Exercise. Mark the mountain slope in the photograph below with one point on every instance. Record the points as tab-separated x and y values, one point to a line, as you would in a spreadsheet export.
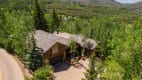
108	3
18	4
136	7
97	2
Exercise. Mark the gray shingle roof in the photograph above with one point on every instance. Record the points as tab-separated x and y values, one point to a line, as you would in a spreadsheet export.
87	43
45	40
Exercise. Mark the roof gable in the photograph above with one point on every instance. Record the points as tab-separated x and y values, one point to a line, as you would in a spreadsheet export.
46	40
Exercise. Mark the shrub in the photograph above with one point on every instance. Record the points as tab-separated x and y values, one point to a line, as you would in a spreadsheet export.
44	73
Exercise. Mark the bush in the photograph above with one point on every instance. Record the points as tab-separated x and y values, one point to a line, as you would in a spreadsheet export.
44	73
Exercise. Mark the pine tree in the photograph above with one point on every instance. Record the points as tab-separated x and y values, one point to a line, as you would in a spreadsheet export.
2	22
2	27
36	58
56	20
5	40
38	17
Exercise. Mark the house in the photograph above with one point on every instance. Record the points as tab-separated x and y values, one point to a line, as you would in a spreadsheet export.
55	45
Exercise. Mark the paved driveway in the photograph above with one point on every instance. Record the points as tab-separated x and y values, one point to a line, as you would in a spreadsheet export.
64	71
9	67
0	75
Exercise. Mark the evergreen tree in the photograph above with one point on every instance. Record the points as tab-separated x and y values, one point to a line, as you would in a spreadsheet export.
38	17
2	25
2	18
5	38
36	58
56	20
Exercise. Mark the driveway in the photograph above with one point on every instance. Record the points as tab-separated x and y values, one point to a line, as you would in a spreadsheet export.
9	67
0	75
64	71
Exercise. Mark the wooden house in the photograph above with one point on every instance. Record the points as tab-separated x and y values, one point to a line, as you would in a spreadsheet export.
55	45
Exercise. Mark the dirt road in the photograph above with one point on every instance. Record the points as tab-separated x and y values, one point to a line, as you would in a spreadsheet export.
9	67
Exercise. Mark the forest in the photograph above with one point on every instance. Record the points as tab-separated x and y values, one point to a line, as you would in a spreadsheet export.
118	33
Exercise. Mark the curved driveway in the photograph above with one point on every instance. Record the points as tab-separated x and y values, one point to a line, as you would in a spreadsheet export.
0	75
9	67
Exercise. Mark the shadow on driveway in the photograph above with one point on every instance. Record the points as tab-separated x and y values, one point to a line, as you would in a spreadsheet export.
65	71
62	66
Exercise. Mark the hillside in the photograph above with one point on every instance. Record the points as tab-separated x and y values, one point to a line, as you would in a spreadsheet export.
18	4
71	9
95	2
136	7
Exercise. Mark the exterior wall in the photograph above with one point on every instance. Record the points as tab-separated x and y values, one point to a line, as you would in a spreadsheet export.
58	53
55	53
